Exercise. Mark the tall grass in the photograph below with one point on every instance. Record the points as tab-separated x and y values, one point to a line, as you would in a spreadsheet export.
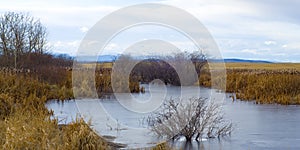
35	130
281	88
20	86
162	146
25	121
84	83
264	83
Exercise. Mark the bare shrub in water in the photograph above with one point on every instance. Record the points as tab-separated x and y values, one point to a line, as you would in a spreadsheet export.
192	119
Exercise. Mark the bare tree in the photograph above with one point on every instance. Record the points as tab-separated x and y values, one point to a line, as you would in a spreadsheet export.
20	36
176	69
191	119
199	60
185	68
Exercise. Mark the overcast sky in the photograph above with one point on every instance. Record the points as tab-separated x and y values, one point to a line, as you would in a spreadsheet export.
247	29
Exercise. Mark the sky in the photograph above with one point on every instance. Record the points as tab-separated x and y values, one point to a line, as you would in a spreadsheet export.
245	29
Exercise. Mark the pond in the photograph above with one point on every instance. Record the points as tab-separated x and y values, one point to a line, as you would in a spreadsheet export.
256	126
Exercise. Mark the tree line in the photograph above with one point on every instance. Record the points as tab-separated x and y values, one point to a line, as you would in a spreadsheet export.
24	49
175	69
23	43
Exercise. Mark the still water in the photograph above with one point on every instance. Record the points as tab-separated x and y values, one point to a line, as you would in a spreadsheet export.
256	126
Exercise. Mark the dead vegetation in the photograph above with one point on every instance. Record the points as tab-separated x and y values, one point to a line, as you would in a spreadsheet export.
196	118
25	122
263	83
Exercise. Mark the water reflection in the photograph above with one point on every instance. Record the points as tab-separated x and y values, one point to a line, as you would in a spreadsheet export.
188	145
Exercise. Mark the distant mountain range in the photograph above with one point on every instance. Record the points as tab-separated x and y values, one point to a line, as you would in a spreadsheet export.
110	58
101	58
234	60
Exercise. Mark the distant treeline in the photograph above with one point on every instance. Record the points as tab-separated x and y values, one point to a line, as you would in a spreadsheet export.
147	70
178	69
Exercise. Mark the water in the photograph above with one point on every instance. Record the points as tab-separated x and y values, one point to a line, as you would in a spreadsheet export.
256	126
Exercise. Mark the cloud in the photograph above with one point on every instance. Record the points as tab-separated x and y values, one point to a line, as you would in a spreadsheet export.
73	43
61	15
279	54
270	43
111	46
251	51
83	29
68	47
65	43
239	27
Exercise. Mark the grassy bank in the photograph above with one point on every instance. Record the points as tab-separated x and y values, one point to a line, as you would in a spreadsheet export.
25	121
265	87
266	83
264	66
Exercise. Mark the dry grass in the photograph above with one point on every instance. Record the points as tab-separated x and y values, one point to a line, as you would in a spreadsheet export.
265	87
25	121
79	135
264	66
162	146
251	66
20	86
264	82
35	130
104	65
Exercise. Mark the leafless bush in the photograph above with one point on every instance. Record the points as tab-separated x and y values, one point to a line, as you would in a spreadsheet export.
192	119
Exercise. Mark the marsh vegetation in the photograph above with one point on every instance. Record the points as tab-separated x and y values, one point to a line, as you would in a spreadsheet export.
264	83
30	76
